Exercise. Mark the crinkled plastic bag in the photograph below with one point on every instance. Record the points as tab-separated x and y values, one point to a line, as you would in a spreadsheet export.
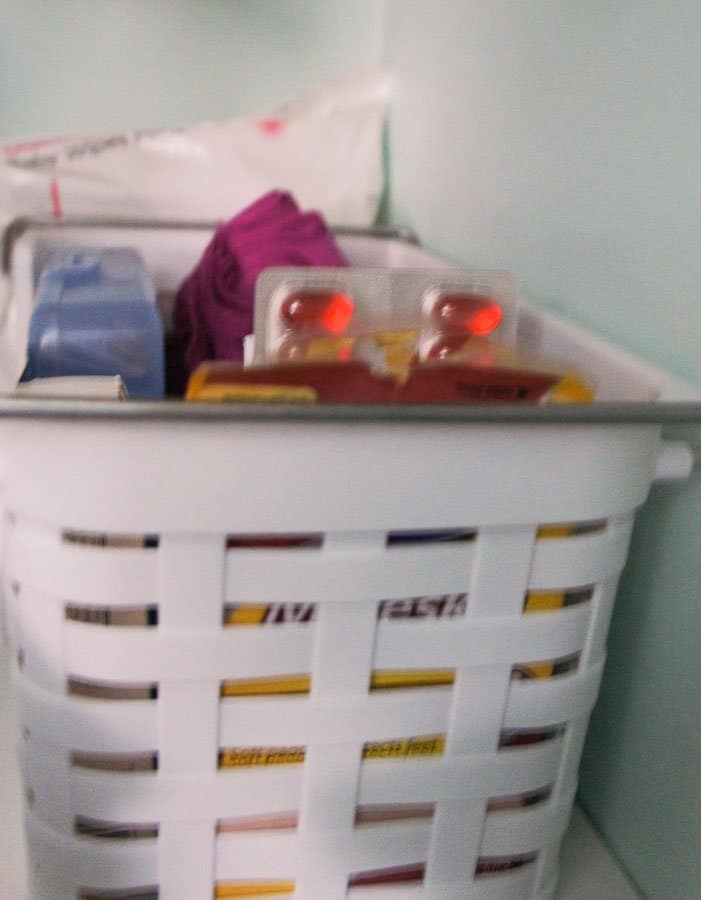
325	148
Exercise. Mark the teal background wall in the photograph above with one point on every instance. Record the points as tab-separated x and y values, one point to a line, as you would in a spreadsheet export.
91	65
558	139
640	775
561	140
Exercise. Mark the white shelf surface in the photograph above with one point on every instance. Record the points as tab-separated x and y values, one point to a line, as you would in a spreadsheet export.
589	872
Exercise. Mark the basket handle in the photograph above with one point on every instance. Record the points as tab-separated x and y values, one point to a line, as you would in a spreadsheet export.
675	461
14	229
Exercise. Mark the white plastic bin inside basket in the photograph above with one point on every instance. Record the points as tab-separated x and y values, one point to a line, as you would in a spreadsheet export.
171	518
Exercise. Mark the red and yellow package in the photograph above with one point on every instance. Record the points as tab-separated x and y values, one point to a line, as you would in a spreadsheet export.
568	386
356	382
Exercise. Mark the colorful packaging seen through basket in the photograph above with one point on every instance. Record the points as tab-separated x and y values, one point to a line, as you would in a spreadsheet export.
413	609
394	876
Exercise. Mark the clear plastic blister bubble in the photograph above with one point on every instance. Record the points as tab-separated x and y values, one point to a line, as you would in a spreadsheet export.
376	314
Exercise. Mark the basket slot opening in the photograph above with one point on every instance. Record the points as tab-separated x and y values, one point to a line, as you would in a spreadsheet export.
247	757
493	866
410	874
141	893
280	685
564	665
552	601
99	690
436	606
238	614
368	814
423	745
410	679
111	541
415	536
387	813
527	737
115	762
300	683
553	530
121	616
252	889
395	875
395	748
298	541
504	803
114	831
282	821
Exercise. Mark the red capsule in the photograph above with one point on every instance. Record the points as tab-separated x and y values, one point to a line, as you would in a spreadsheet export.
328	311
473	314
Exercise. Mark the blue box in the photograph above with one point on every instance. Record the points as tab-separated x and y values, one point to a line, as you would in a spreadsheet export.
95	314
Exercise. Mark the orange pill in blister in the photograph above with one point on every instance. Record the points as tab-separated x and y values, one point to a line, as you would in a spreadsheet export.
328	311
472	314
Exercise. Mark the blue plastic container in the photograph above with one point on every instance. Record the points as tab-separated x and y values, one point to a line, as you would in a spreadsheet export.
95	314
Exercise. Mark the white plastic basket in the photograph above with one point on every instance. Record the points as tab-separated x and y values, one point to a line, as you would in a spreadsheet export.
193	477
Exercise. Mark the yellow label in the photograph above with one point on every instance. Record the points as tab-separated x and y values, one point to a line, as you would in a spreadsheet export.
425	745
546	532
260	687
250	614
240	757
401	338
270	614
399	350
253	888
329	349
386	679
571	389
540	601
382	679
441	606
401	748
255	393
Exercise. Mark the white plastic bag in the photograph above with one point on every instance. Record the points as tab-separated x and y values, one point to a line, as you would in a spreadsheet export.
326	149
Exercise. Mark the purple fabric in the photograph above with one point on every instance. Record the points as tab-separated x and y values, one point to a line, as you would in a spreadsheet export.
214	306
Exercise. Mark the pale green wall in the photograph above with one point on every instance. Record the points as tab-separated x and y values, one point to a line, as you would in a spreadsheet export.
85	65
563	141
641	776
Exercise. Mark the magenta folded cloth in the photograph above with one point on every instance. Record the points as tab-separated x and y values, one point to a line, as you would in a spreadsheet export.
214	306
